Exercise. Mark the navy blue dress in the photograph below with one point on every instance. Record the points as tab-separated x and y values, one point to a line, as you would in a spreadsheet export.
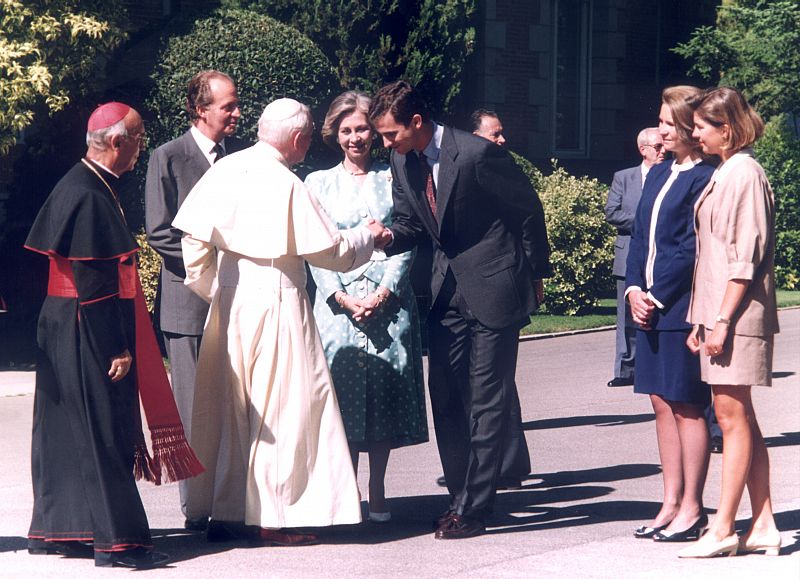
661	261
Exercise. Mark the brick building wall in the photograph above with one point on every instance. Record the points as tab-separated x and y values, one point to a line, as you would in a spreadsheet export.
621	60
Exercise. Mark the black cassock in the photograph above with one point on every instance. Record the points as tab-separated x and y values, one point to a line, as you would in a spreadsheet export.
85	427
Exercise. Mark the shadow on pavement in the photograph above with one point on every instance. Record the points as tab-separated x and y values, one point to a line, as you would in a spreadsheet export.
598	420
782	374
533	519
8	544
785	439
602	474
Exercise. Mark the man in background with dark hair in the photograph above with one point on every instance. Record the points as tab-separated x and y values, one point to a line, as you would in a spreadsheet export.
489	246
174	168
486	124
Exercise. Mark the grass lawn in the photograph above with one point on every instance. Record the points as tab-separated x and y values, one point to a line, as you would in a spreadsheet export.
605	315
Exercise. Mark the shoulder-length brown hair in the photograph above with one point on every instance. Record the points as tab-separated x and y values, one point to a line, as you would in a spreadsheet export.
727	106
342	106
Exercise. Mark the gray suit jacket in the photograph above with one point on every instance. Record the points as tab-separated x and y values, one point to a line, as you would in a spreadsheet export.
623	198
174	168
489	229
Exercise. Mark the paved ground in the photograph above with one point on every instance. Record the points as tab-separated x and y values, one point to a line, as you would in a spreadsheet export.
595	478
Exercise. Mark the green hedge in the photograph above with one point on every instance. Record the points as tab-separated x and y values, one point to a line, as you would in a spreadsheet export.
267	59
778	151
581	241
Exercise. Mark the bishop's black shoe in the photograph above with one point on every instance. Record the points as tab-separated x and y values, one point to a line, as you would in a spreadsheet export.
138	558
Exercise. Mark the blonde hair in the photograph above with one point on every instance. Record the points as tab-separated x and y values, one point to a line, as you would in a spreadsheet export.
342	106
680	100
727	106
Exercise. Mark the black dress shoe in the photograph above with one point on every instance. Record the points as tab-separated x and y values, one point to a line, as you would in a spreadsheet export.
221	531
716	445
693	533
460	527
69	549
441	481
441	519
200	524
645	532
138	558
613	383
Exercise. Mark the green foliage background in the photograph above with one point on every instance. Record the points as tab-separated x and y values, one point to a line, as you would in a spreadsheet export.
51	51
375	41
778	151
755	47
266	58
581	241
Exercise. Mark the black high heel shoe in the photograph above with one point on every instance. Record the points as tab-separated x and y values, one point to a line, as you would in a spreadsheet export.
645	532
693	533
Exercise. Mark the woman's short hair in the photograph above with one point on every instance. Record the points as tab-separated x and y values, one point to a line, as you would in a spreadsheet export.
727	106
343	106
680	100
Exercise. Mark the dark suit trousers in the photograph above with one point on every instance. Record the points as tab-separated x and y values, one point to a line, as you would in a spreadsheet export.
182	352
471	381
625	356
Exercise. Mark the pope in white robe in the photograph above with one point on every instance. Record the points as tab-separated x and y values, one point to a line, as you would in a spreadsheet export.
269	431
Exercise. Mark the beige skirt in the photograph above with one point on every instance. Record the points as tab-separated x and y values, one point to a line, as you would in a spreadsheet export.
746	361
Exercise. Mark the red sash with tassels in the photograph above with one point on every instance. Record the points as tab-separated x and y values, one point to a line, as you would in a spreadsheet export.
173	459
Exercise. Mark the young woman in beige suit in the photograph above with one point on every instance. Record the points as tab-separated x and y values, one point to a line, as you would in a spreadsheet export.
734	314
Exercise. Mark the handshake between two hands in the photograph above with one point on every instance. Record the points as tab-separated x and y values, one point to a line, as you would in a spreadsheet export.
380	234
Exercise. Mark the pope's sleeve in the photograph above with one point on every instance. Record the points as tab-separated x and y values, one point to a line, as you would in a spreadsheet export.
200	261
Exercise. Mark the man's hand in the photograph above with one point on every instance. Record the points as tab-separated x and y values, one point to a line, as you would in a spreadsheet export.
380	234
120	366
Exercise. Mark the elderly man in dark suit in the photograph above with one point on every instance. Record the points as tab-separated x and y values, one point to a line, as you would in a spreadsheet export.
490	253
623	198
174	168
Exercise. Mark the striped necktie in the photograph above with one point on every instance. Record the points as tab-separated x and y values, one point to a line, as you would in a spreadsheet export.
430	186
218	151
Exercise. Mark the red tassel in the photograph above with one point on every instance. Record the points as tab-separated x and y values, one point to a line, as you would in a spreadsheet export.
143	466
173	456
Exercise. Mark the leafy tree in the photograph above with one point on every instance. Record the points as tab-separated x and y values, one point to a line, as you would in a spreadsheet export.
49	51
371	41
755	47
266	58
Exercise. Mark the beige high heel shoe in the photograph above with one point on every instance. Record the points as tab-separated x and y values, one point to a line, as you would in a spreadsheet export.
707	547
770	544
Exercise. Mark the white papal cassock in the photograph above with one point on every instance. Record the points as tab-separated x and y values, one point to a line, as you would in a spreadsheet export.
268	428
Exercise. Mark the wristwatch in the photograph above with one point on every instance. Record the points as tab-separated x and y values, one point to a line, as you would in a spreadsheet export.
725	321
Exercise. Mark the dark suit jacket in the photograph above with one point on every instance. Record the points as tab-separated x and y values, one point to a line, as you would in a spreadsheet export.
489	230
675	242
174	168
623	198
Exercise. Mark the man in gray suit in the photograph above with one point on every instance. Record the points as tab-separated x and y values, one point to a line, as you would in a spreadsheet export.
623	198
174	168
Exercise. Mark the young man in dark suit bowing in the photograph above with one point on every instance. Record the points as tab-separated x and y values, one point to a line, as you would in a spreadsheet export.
490	252
174	168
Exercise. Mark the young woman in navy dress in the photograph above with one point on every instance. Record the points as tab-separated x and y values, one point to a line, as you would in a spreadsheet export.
659	281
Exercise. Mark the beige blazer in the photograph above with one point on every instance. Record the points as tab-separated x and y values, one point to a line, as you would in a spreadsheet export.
735	226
